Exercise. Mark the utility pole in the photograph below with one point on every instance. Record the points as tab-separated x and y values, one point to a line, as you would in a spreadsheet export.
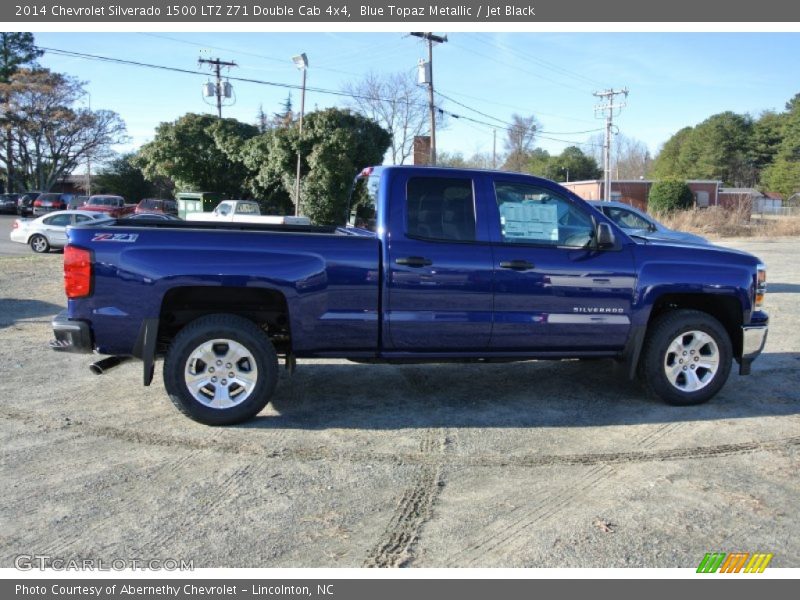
439	40
606	108
217	65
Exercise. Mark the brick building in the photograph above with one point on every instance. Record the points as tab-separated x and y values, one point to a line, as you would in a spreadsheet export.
636	191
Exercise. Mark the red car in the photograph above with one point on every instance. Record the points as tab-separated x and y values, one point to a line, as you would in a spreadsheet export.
49	202
157	206
114	206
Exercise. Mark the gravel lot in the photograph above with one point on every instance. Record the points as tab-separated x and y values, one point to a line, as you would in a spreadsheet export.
516	465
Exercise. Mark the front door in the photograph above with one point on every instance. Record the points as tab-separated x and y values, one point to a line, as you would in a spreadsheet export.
553	289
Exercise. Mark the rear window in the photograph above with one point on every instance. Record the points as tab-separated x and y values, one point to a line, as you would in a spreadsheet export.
364	201
440	208
247	208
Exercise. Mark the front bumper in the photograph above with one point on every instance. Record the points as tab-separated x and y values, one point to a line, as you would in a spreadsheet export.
71	335
753	339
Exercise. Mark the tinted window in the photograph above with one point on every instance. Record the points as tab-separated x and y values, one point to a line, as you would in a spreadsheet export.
58	220
440	209
81	218
534	215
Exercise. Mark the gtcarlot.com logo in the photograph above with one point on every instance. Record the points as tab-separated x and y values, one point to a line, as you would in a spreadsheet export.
736	562
41	562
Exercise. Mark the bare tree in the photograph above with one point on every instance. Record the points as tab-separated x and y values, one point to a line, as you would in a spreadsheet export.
630	158
479	160
50	135
395	102
519	142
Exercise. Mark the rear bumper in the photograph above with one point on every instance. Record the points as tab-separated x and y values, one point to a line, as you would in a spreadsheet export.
754	337
71	335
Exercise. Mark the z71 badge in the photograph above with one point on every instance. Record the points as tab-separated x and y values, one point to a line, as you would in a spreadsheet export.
115	237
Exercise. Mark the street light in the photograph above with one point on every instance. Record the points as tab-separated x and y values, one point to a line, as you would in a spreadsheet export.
301	62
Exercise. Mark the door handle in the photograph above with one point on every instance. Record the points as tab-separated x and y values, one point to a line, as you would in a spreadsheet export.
414	261
517	265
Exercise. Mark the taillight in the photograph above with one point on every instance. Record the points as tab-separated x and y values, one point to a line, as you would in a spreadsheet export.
15	225
37	203
77	272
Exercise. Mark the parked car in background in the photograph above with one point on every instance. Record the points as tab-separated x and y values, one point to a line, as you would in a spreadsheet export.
8	203
244	211
636	222
113	206
25	203
49	202
157	205
50	231
152	217
76	202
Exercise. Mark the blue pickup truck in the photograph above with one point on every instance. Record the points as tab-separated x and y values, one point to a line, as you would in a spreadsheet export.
432	265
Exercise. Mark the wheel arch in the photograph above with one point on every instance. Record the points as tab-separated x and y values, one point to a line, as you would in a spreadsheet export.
725	309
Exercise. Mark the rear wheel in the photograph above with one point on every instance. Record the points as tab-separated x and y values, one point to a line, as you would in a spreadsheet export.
221	370
686	358
39	244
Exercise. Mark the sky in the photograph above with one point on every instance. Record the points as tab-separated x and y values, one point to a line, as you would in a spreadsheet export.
675	79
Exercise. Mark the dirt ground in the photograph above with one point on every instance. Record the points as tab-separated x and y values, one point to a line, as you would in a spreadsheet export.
509	465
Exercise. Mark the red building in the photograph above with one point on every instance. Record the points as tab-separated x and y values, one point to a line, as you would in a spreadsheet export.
636	191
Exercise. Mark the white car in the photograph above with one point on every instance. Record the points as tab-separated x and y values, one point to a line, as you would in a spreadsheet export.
50	230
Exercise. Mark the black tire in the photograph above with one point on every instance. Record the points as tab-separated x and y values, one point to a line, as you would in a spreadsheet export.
228	328
39	244
657	357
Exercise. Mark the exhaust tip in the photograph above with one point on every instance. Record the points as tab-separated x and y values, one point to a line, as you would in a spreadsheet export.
101	366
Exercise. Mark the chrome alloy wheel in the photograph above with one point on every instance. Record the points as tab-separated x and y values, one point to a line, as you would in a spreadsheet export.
691	361
220	373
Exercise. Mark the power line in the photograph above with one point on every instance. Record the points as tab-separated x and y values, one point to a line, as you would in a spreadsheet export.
123	61
507	124
518	108
290	86
240	52
518	68
542	62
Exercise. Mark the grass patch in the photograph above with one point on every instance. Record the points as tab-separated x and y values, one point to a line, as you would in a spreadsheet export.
716	222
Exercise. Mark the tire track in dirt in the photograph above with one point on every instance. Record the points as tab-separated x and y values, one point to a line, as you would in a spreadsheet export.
396	545
511	530
221	494
252	448
521	518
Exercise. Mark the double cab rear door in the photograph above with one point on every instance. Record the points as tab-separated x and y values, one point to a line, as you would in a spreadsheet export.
498	261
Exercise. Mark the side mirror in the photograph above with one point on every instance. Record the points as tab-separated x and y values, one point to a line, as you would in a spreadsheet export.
605	236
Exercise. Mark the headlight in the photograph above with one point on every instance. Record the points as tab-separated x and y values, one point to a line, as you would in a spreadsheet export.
761	285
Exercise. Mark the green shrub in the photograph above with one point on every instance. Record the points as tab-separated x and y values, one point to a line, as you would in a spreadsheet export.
669	195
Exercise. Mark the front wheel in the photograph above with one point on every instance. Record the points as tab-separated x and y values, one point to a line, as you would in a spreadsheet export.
686	358
39	244
221	370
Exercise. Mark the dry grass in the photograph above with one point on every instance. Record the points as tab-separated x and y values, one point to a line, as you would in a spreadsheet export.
716	222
